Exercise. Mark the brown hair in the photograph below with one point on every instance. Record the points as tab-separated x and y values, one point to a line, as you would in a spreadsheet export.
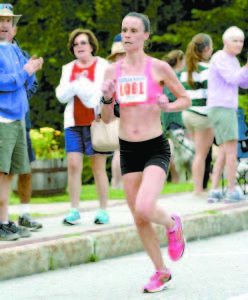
173	57
91	37
194	54
145	20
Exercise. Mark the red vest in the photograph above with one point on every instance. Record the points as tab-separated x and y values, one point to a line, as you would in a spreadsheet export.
83	116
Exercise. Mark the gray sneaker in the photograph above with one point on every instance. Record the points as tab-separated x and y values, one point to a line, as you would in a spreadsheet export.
215	196
29	223
6	234
21	231
234	197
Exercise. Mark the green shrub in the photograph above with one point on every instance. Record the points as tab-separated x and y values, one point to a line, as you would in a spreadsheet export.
243	103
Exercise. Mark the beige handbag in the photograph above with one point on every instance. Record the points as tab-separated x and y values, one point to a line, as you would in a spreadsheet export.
105	136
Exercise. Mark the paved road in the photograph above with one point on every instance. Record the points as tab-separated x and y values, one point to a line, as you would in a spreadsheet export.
212	269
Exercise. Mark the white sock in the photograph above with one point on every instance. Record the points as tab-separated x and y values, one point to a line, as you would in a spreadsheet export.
24	209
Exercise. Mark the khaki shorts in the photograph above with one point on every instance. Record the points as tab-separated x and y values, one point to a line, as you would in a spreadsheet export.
13	148
195	122
225	123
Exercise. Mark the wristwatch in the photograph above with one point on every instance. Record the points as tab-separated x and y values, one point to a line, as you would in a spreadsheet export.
106	101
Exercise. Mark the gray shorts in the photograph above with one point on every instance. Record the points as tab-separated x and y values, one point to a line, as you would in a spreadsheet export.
225	123
13	148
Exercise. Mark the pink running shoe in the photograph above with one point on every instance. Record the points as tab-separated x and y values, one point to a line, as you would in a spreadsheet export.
176	240
158	282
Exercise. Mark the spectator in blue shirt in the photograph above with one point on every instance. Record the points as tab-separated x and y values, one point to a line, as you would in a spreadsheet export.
16	74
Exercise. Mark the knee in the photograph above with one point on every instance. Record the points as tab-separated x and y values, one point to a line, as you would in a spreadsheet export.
139	220
99	173
144	211
99	169
24	177
4	197
74	166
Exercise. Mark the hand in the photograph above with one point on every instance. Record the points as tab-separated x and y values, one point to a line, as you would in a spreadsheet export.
162	102
33	65
98	119
108	89
82	74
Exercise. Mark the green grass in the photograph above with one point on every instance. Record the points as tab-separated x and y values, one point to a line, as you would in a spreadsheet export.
88	192
209	212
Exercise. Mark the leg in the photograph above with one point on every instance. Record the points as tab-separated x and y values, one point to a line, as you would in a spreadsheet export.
203	141
5	188
208	162
25	191
172	168
173	171
75	167
17	163
98	163
218	167
25	187
8	230
151	186
148	235
116	171
230	149
25	180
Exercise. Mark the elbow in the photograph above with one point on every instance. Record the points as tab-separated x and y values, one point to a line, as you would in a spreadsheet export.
60	96
105	117
61	99
90	101
107	120
189	102
244	85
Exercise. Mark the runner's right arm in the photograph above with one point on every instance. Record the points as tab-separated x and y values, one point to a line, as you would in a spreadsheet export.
108	91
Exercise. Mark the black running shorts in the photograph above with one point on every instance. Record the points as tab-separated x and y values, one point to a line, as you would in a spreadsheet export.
136	156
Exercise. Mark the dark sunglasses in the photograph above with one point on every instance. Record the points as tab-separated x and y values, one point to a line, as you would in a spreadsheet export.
8	6
82	43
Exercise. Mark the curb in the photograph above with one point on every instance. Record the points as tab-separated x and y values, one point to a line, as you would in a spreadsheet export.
74	250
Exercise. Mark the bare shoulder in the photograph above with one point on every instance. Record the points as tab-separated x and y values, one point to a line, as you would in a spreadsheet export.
110	71
162	68
160	65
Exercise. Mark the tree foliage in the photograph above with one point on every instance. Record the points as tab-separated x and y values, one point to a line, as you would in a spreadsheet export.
45	27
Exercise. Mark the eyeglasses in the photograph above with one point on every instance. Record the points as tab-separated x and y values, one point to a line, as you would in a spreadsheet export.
82	43
8	6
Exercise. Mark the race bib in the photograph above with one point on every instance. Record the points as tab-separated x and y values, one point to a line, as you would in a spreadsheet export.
132	89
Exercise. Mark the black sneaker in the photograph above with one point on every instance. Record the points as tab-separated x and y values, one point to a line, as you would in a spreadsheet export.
21	231
26	221
6	234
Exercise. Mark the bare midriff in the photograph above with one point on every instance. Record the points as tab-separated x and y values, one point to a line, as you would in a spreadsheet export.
140	123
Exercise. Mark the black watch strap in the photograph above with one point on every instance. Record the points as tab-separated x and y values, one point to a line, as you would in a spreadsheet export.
106	101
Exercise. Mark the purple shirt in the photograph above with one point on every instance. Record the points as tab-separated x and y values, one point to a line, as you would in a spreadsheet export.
224	77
